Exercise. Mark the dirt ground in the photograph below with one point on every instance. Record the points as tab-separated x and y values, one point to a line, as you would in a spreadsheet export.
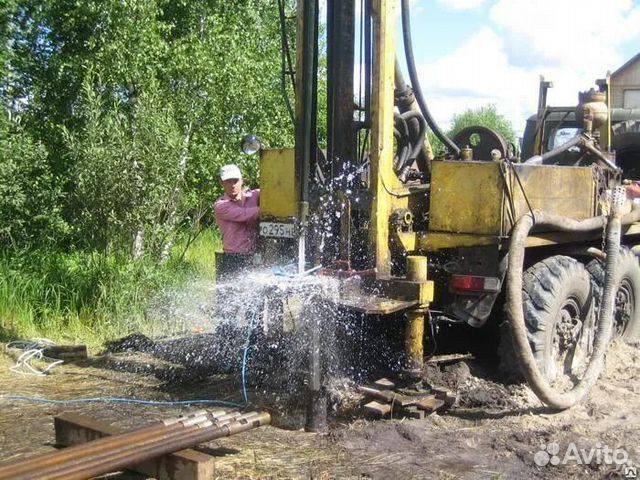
494	431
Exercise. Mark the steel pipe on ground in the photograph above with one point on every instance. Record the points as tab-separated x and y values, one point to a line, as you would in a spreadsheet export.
121	459
16	467
32	467
93	456
104	455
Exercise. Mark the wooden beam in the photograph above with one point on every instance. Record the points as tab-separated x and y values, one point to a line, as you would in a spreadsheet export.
66	352
384	384
429	404
378	408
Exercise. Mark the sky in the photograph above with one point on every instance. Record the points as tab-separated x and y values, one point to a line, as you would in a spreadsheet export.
471	53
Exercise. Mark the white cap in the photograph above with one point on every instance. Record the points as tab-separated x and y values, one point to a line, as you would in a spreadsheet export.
230	171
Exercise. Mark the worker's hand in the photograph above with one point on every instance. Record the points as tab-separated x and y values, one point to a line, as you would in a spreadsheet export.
633	190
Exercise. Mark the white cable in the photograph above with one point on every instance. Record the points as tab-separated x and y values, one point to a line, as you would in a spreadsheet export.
32	350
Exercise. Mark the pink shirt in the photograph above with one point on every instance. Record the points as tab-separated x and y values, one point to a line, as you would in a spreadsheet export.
238	222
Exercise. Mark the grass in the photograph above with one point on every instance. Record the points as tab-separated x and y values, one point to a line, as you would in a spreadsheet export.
200	255
89	297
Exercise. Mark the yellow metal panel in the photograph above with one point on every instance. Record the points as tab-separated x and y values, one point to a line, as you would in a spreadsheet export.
473	198
466	197
417	268
432	241
407	240
561	190
278	189
554	238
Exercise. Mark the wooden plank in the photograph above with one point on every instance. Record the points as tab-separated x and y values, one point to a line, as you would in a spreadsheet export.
66	352
385	395
378	408
384	384
444	394
429	404
373	305
73	429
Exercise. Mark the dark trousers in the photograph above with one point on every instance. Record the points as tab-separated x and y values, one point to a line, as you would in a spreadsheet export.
229	264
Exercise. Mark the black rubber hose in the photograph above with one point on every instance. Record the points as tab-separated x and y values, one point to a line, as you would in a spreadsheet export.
404	148
400	121
418	141
402	158
405	100
515	313
417	91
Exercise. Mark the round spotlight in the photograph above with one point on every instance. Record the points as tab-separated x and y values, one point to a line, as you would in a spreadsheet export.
251	144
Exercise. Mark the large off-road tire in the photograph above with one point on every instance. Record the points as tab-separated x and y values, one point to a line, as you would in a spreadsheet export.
626	317
558	311
626	143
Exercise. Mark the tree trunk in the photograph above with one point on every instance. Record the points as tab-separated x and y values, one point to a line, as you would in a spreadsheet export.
138	244
177	194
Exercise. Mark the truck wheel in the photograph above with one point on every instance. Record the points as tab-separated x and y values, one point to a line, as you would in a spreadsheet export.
627	299
558	311
626	143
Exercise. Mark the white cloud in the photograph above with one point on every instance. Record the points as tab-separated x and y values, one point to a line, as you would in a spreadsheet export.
571	42
476	74
461	4
567	33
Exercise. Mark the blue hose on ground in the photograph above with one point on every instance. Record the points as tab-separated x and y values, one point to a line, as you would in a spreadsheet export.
245	355
245	358
245	396
136	401
119	400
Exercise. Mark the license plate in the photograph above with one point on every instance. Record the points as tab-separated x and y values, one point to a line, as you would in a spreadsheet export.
279	230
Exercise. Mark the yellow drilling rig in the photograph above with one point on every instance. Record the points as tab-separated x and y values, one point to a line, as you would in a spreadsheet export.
549	239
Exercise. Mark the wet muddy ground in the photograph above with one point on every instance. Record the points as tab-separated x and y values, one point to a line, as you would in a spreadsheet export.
494	431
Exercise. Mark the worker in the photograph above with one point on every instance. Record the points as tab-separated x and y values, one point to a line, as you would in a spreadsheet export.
237	213
633	190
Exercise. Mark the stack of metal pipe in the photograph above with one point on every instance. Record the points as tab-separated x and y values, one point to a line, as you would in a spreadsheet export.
110	454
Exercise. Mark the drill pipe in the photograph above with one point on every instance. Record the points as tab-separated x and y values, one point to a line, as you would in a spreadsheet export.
95	456
106	462
39	471
166	427
132	456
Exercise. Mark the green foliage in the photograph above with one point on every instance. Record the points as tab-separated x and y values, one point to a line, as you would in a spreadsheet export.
29	214
127	110
193	75
7	10
69	296
200	254
125	169
436	145
486	116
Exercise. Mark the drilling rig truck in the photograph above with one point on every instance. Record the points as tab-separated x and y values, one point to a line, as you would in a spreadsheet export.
547	240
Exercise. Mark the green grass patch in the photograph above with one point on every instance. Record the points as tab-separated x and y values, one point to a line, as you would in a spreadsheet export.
200	254
90	297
